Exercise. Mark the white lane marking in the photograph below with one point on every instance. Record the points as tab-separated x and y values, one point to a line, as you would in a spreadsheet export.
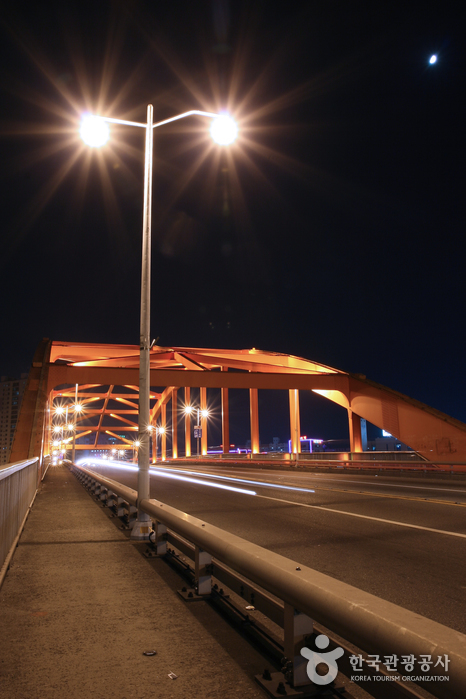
354	514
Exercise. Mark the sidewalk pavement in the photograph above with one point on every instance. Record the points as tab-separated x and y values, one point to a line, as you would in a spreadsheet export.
80	605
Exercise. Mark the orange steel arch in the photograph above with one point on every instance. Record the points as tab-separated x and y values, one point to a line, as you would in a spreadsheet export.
100	368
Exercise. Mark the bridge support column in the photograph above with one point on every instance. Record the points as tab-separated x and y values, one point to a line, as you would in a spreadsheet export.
225	419
355	434
175	423
295	423
203	401
254	418
187	423
164	432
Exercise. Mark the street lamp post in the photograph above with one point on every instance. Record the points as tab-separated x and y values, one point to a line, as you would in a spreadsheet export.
205	414
94	131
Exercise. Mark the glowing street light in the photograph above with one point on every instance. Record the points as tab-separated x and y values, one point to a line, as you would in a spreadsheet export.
224	130
189	409
95	131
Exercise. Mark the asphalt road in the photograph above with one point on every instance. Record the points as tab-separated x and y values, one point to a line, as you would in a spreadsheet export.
402	538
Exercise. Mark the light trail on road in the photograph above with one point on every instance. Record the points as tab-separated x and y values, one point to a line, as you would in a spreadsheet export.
263	484
153	472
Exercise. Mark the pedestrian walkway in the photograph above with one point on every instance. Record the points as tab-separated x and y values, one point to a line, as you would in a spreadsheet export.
80	605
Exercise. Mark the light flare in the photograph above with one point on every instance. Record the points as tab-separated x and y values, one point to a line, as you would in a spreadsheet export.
94	131
224	130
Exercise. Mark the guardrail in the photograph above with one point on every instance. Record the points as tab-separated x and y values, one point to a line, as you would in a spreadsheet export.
370	623
18	488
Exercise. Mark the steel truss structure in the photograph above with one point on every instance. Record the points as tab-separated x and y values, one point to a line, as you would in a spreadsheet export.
106	377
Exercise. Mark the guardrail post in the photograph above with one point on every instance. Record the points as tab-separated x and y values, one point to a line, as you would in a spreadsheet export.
160	542
131	514
103	494
296	627
120	507
203	575
111	499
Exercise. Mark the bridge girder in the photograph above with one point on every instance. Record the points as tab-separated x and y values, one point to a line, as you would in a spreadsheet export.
435	435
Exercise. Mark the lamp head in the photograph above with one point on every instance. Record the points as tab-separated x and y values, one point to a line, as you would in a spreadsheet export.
224	130
94	131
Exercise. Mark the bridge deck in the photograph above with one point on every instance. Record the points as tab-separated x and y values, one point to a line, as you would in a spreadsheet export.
80	605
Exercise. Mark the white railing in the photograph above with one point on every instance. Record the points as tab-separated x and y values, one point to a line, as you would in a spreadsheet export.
18	487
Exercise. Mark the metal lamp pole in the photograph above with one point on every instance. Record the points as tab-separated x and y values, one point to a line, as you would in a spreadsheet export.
223	131
143	525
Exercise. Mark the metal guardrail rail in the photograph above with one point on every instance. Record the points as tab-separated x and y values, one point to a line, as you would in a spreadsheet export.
370	623
18	488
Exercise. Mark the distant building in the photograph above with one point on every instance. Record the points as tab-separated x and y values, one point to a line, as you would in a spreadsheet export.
11	395
387	443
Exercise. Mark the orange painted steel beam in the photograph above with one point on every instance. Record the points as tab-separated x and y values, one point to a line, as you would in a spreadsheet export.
90	413
162	399
225	419
60	374
355	431
435	435
134	425
175	423
164	433
254	419
187	423
424	429
101	417
203	405
295	423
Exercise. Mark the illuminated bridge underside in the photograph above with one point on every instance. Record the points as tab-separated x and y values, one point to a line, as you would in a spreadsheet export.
108	376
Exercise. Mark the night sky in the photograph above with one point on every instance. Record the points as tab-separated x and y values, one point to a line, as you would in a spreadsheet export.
333	229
